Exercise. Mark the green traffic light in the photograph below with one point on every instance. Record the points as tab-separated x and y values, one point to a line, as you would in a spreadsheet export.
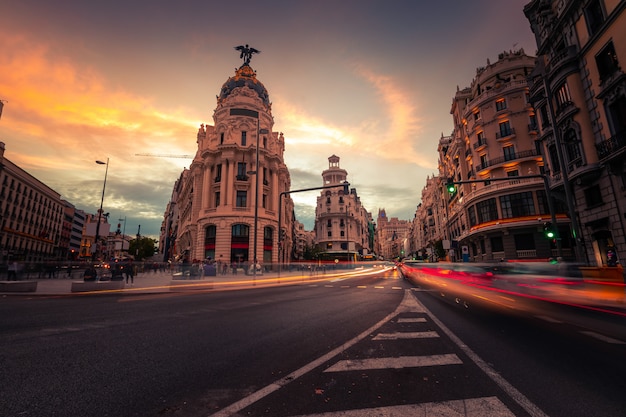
550	234
451	188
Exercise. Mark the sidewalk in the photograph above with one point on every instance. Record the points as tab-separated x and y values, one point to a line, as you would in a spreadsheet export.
164	282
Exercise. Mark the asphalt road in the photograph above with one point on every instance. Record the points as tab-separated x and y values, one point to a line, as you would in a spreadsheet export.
367	343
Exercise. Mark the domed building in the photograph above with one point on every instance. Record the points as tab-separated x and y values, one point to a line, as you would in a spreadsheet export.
227	205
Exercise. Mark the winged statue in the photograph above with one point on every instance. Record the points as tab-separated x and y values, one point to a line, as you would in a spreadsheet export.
246	53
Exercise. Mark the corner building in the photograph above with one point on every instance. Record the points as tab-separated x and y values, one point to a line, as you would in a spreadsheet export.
225	193
579	90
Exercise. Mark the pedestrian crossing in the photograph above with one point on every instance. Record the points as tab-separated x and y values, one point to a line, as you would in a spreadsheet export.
406	365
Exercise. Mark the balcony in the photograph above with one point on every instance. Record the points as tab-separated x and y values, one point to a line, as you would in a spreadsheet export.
480	144
512	157
241	178
505	133
612	146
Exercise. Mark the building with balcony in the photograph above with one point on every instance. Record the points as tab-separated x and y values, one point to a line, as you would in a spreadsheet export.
226	194
579	90
500	205
342	224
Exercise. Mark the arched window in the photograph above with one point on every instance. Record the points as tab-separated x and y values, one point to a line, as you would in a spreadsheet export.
572	148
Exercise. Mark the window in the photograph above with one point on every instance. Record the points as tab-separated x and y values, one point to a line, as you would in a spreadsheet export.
532	123
481	138
264	201
244	138
264	142
554	159
500	104
594	16
242	199
505	129
572	148
222	138
218	173
517	205
471	213
509	152
563	96
477	115
342	234
497	244
241	171
593	197
524	241
217	199
483	161
606	62
330	234
487	210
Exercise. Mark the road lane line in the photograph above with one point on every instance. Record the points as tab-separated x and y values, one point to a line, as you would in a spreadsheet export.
408	303
395	363
405	335
471	407
517	396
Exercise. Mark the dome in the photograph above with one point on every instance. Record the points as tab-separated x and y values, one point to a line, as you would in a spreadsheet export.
244	77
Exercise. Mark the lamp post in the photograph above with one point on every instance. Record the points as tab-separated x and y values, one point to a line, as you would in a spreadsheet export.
101	202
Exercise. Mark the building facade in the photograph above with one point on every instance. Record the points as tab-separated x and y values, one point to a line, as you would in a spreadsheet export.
579	90
342	226
392	235
229	202
499	206
32	216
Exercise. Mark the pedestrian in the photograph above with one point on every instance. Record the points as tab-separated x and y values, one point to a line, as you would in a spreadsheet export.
130	273
12	273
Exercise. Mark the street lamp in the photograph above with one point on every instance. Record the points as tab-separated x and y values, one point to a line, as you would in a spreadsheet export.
101	201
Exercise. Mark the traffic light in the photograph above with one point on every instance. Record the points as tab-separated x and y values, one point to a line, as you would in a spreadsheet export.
548	231
450	186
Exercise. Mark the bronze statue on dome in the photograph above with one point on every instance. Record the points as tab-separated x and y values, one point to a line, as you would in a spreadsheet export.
246	53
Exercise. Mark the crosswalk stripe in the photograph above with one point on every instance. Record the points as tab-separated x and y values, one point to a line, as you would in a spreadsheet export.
471	407
394	363
405	335
412	320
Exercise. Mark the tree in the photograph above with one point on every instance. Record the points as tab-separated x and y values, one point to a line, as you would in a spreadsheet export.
144	248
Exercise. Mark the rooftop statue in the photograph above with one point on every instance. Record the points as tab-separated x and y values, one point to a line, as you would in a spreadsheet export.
246	53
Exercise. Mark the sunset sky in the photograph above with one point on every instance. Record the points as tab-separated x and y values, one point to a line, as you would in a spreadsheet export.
369	81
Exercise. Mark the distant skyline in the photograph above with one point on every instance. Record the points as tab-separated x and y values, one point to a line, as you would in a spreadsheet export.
369	81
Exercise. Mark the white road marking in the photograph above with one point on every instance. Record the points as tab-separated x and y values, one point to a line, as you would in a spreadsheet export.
472	407
517	396
603	338
276	385
405	335
395	363
412	320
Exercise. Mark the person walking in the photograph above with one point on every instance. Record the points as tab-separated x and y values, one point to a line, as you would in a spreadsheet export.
12	272
130	273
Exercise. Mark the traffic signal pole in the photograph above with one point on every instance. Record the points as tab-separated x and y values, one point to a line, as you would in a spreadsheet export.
546	187
346	189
